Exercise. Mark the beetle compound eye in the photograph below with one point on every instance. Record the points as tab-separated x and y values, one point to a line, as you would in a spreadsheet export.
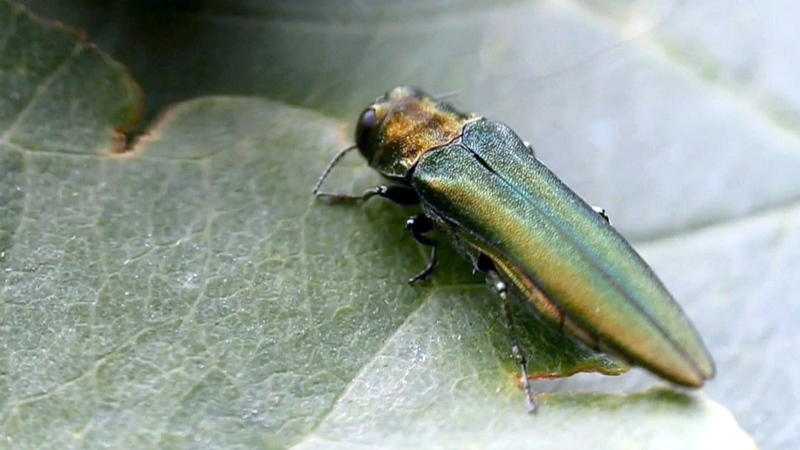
366	123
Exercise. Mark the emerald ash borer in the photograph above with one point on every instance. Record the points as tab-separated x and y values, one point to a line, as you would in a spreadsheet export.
482	187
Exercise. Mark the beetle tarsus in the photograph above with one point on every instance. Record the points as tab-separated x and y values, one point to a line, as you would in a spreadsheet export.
500	287
333	199
425	273
419	225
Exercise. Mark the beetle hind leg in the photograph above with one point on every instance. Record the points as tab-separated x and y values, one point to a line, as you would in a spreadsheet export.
419	225
500	287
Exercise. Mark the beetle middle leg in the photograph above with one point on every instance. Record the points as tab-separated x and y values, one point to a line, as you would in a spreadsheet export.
420	225
499	286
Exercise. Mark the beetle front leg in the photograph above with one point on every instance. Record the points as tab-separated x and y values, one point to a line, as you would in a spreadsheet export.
500	287
397	194
419	225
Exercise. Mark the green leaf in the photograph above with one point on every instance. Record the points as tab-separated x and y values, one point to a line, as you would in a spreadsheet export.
190	291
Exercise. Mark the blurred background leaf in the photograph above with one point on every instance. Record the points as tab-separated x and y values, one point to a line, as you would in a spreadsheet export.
679	117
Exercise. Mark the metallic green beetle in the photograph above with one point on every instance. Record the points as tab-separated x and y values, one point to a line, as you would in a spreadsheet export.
480	184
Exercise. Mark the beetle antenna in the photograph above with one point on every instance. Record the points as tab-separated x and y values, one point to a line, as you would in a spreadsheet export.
328	169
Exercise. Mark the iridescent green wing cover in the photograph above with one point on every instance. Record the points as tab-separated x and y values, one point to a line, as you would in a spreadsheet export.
495	198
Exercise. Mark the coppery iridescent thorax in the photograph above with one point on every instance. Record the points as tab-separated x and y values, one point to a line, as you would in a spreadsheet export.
412	127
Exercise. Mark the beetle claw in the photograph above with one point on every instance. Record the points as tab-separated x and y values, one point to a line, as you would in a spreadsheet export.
420	278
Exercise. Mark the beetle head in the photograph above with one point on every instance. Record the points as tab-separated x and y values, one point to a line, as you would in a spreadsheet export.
401	126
